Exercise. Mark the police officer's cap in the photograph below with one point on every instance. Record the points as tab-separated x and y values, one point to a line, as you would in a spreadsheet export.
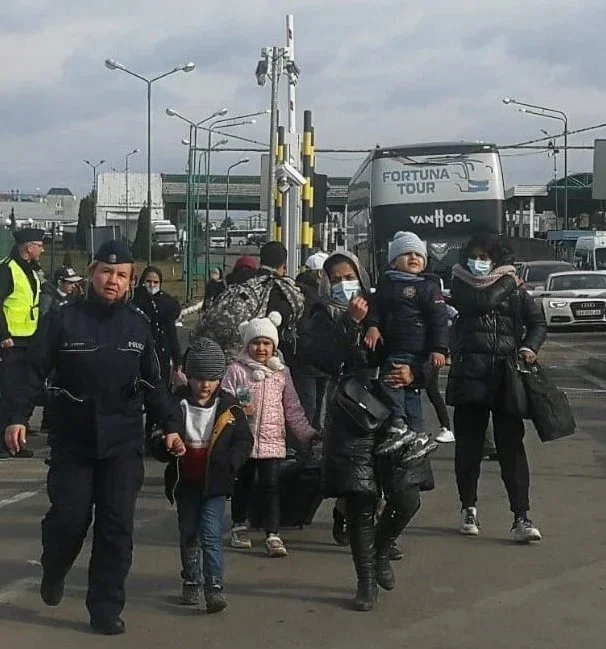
28	235
114	251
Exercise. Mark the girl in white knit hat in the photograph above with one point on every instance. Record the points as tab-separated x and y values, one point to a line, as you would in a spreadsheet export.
263	385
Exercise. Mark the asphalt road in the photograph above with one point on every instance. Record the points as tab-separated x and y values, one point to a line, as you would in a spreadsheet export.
453	592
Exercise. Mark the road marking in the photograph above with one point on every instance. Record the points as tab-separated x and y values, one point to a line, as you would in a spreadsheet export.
583	390
17	498
17	589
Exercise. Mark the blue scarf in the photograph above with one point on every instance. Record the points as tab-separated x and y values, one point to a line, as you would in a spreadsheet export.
401	276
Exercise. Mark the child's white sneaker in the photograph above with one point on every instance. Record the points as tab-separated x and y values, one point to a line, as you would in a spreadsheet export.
240	538
445	436
275	546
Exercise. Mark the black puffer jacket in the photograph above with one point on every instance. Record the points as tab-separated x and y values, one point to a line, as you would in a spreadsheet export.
493	323
332	342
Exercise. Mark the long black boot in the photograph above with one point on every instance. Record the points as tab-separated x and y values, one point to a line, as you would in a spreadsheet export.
390	526
362	541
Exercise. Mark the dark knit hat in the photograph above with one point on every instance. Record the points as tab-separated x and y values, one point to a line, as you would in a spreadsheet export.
28	235
205	360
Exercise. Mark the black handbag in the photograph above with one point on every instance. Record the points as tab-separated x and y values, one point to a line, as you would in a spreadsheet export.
548	406
515	399
366	412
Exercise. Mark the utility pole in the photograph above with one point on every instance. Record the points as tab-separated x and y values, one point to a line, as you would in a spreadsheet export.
276	64
292	203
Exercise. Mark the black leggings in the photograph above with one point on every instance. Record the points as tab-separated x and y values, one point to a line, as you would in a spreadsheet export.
269	475
362	506
433	394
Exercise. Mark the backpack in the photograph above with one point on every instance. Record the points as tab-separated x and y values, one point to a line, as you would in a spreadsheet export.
242	302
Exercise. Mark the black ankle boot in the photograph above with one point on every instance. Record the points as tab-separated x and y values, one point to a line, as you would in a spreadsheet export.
389	527
362	542
366	597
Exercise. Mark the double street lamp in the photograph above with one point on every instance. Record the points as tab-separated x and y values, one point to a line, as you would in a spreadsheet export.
110	64
550	113
94	168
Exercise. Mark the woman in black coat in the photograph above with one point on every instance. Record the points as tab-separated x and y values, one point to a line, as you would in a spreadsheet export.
498	323
163	311
332	340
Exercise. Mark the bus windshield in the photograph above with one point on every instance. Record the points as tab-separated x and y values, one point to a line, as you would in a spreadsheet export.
442	192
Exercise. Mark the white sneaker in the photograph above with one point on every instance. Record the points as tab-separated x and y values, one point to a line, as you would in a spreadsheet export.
524	531
239	538
470	525
275	546
445	436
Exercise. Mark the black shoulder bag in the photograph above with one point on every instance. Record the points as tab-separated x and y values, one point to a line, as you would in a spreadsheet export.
366	412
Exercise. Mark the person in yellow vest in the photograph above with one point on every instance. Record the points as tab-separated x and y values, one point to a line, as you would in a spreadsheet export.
19	296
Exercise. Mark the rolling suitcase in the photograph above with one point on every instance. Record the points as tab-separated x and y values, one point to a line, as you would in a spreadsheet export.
300	494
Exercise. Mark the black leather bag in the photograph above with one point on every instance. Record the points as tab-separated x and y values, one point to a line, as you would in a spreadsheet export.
548	406
355	399
515	399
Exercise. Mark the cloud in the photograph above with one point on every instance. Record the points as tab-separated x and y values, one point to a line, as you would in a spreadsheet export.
392	71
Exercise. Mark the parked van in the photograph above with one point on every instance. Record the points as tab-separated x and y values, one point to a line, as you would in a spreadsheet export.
590	252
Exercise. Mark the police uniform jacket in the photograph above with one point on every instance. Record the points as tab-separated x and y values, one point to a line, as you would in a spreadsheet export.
104	369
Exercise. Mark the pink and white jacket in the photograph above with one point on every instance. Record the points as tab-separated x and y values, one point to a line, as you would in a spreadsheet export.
275	401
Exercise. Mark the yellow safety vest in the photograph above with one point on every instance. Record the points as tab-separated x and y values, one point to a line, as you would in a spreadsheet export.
21	308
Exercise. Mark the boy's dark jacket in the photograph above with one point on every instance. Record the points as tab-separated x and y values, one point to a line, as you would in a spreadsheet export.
229	449
410	314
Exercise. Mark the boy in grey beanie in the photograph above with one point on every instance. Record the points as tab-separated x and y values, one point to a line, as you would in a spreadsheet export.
204	456
408	324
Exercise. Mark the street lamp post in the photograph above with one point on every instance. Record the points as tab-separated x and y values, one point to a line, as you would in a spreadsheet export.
551	113
191	180
232	166
94	168
127	156
194	165
186	67
553	151
238	120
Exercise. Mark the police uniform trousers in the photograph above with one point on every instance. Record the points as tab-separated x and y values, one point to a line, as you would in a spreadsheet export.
79	490
13	366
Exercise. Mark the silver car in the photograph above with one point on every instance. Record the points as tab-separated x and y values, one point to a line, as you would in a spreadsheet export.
574	298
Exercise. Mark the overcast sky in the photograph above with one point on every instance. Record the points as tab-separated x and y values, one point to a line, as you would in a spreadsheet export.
388	72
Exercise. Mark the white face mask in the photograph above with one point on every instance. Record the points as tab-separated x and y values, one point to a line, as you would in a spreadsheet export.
152	290
479	267
345	290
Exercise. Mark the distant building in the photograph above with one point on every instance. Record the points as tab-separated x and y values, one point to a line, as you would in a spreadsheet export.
58	205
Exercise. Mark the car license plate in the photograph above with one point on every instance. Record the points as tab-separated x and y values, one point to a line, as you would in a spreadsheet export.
589	312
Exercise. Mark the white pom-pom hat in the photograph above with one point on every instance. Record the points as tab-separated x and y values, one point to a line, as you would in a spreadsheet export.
261	328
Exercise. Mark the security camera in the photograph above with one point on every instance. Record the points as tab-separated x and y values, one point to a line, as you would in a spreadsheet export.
290	174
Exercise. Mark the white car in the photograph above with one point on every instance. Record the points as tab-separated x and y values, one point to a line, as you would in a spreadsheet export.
573	298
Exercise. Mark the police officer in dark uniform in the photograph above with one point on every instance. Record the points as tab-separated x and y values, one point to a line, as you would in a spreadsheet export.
100	352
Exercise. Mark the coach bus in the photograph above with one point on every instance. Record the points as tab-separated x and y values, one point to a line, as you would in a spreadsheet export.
443	192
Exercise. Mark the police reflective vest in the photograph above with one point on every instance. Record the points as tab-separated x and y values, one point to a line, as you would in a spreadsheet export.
21	308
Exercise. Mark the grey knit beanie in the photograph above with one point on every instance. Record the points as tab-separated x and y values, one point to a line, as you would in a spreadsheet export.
404	242
205	360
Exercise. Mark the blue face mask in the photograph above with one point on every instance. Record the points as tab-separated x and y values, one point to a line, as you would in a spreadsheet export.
479	267
345	290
